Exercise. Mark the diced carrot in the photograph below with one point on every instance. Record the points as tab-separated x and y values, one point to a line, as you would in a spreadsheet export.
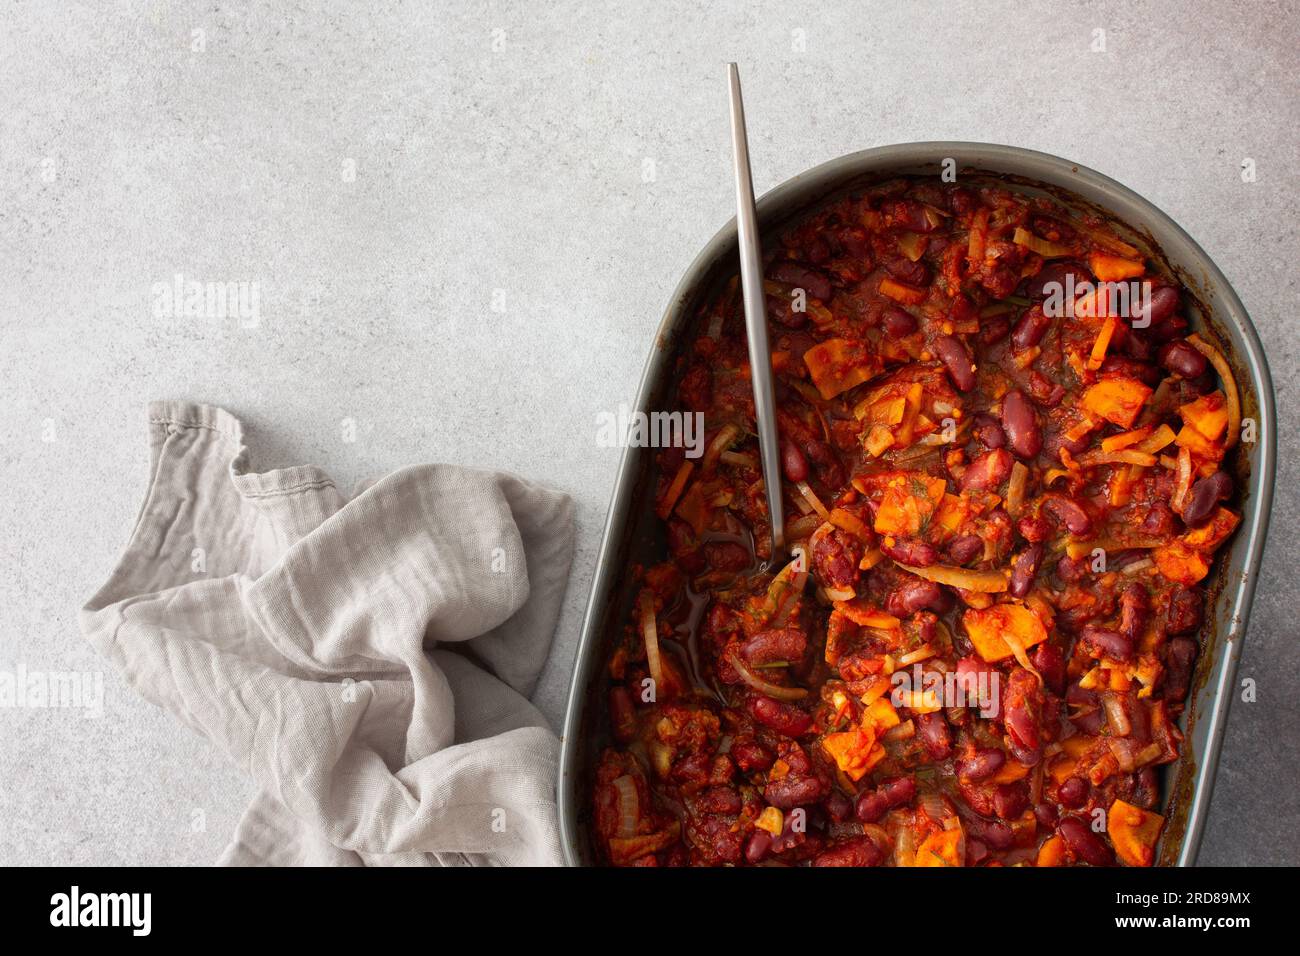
1118	400
878	441
908	504
1051	853
941	848
1114	268
1194	441
837	365
1208	415
1011	771
1102	343
1181	563
864	615
1133	832
851	751
1126	439
1214	532
906	294
879	716
848	521
986	628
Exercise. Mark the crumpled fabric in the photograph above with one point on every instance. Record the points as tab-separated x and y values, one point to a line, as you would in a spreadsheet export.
366	660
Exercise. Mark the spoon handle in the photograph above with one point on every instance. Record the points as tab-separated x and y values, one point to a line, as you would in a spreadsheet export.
751	282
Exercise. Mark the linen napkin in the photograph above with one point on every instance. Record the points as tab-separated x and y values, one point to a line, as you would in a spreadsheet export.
367	661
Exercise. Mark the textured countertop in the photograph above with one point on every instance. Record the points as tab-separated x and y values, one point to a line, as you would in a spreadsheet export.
462	222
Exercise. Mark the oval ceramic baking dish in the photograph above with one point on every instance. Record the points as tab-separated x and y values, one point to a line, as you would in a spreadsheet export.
632	531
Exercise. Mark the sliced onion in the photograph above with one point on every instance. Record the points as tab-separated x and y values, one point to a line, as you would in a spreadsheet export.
775	691
839	594
1016	488
1183	485
650	634
1116	715
721	442
629	805
922	653
982	582
1125	456
813	500
738	458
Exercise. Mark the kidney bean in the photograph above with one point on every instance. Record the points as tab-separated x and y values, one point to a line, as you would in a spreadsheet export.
828	464
933	732
909	214
839	807
915	594
1072	793
911	551
1159	519
793	463
1034	528
835	558
1180	657
860	851
987	431
874	804
987	471
981	765
727	556
1186	611
1050	662
1146	788
719	800
621	714
1170	328
1088	846
1031	328
993	330
1101	642
783	718
1024	570
1206	493
749	754
1070	513
758	846
794	790
1046	815
1010	800
1181	359
905	270
994	833
812	281
1024	436
964	548
766	647
1135	611
956	360
898	322
1163	304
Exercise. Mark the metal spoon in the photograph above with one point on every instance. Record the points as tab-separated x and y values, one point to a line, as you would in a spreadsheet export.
751	283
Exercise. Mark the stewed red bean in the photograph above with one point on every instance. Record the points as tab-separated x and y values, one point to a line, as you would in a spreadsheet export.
1206	493
982	764
1087	845
1070	513
956	359
911	551
1031	328
1181	359
1023	571
897	322
1101	642
1024	437
793	462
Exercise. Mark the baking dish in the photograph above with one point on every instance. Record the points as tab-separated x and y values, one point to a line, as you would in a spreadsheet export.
631	532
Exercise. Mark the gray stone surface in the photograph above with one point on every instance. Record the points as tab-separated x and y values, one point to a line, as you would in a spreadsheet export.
509	147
